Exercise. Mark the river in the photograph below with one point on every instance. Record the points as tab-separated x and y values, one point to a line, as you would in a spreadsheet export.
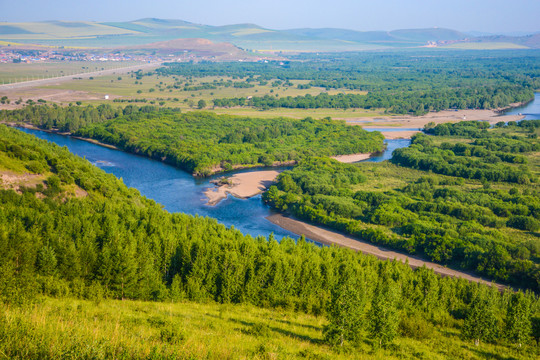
531	110
178	191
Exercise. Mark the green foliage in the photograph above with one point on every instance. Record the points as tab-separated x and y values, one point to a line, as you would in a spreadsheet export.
399	82
518	319
384	315
117	244
114	329
202	142
471	226
481	323
470	161
345	311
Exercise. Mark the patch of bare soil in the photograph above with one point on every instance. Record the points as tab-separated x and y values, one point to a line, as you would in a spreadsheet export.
352	158
10	180
50	95
409	121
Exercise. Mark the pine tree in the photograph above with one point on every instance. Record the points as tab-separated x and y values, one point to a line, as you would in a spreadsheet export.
518	319
46	261
345	312
384	314
480	323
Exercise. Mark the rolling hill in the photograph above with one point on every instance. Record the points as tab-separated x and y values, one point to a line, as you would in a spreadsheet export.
246	36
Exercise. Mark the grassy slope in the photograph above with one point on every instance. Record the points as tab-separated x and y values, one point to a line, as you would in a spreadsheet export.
134	329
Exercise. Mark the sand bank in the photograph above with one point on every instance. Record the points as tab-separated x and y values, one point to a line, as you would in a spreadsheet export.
408	121
352	158
405	134
329	237
243	185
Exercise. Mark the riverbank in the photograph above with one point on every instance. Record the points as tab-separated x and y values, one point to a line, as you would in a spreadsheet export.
405	134
329	237
63	133
445	116
243	185
352	158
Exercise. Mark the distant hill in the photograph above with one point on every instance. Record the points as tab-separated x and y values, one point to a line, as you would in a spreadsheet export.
246	36
531	41
201	47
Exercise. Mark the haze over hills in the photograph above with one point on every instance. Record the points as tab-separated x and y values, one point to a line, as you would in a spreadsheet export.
246	36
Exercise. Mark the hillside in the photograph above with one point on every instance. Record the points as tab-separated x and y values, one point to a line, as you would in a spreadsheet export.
215	292
246	36
201	47
189	330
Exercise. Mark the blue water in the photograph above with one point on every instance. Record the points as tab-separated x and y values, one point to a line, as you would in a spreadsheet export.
530	110
391	145
177	190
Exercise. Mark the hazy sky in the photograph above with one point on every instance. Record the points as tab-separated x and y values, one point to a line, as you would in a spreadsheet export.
464	15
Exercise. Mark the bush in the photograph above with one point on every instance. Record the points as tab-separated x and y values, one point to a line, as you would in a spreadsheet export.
416	327
521	222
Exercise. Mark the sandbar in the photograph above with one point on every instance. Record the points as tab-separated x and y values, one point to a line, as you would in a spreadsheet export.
329	237
405	134
242	185
409	121
352	158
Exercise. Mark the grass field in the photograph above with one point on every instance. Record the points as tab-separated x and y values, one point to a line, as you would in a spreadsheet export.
131	329
158	90
11	73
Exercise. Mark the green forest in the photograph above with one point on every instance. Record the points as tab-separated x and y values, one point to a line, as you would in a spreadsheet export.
400	83
80	233
482	212
203	143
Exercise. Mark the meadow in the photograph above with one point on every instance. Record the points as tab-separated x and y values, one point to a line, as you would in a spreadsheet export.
155	89
101	329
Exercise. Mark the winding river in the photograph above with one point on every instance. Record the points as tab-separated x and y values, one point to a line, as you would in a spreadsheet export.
177	190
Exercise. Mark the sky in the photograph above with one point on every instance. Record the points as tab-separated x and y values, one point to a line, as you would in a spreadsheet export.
491	16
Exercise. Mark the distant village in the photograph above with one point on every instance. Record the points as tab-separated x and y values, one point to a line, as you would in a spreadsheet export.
17	55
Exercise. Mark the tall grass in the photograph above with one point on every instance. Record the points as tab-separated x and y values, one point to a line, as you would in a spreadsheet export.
76	329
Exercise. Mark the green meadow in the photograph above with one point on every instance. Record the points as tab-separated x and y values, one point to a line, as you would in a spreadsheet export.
105	329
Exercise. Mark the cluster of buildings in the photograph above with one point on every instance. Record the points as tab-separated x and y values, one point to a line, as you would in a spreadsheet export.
18	55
